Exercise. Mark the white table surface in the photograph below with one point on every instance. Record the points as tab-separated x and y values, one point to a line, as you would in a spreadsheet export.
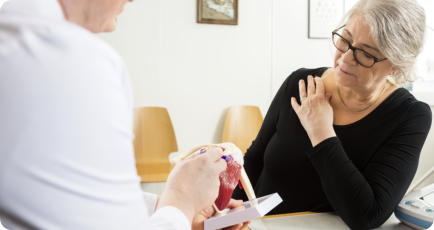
317	221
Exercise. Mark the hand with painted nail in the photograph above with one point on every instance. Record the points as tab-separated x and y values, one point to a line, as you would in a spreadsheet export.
193	184
314	111
229	178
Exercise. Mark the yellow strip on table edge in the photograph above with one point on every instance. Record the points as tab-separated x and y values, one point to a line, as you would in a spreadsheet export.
287	214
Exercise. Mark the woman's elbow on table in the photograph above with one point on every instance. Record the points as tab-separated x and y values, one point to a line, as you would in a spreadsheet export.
369	220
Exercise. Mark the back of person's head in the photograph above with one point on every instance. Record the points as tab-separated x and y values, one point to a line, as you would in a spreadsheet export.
397	28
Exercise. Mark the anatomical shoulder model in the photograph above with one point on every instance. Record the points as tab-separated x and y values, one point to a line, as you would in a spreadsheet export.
233	175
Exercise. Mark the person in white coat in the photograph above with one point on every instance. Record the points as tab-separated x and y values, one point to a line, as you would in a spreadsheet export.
66	155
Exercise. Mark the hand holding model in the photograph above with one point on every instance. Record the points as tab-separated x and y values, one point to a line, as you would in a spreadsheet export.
189	176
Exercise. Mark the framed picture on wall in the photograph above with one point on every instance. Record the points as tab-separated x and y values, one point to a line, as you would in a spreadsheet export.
323	17
217	12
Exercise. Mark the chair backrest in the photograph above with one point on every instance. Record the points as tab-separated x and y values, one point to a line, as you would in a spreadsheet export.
242	124
154	140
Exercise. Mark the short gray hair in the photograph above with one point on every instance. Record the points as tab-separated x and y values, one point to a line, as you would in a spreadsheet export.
398	29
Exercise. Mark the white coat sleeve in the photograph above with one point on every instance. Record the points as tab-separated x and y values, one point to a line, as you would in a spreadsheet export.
167	218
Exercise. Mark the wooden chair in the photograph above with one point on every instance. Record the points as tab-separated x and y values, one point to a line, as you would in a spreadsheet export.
155	140
242	124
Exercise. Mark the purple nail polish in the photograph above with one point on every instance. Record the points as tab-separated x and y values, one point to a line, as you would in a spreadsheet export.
226	158
203	150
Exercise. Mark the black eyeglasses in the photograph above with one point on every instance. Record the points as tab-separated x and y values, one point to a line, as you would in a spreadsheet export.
362	57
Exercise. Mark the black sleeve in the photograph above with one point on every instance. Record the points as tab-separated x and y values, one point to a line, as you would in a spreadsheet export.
366	199
254	157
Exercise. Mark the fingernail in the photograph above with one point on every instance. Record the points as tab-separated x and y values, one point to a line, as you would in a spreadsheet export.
203	150
226	158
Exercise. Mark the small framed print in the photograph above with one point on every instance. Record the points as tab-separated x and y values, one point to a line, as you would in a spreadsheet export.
217	12
324	16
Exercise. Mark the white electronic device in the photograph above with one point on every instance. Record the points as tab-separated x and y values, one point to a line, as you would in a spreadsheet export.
416	209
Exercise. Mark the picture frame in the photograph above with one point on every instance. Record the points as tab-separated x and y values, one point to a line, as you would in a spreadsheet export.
323	17
223	12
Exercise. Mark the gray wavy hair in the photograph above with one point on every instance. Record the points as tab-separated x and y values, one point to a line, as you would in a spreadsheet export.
398	29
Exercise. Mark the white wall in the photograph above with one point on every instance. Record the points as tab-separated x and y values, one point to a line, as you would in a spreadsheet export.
291	47
195	70
198	70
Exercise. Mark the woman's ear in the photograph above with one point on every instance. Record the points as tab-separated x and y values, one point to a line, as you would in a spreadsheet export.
394	70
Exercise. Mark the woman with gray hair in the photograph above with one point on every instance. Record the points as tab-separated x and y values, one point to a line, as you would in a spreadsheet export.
351	138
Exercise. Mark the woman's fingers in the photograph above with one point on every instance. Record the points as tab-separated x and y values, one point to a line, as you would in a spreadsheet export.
310	86
315	86
295	105
302	90
319	86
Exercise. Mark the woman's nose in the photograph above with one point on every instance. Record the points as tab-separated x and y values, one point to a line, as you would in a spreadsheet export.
348	57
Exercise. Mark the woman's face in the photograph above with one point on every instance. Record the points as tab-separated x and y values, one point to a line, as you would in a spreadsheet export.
351	74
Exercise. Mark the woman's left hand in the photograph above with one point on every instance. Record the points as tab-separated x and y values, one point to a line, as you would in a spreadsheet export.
315	112
200	218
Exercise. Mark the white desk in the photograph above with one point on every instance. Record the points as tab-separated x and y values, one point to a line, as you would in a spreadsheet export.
316	221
